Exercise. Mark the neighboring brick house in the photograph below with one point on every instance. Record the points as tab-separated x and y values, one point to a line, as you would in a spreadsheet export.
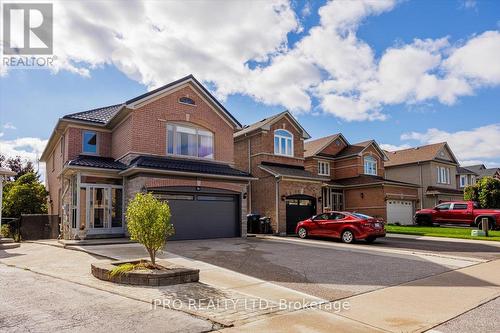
272	150
465	177
433	167
357	179
175	141
483	171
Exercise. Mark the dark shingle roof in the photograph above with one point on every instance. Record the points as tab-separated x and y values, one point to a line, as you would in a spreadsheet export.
98	116
97	162
444	190
257	125
463	171
368	179
290	171
183	165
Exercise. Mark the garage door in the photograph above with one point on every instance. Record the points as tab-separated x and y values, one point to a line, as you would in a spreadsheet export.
298	208
400	211
198	216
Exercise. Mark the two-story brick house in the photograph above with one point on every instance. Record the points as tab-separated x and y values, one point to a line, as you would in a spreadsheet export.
272	150
175	141
433	167
357	179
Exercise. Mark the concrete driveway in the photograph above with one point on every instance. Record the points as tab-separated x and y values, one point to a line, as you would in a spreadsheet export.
325	269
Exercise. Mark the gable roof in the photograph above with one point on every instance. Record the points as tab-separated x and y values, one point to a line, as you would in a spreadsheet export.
348	151
482	171
476	167
266	123
417	154
313	147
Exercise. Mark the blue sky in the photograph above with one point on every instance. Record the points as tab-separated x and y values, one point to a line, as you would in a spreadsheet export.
273	62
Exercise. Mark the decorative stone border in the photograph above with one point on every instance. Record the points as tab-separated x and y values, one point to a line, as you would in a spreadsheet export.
174	274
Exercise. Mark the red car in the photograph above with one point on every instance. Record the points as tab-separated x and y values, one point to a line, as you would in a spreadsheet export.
344	225
458	212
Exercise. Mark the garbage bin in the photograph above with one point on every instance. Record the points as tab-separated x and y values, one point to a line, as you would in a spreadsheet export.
265	225
253	223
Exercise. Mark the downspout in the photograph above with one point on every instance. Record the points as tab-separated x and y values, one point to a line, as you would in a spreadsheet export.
278	179
249	191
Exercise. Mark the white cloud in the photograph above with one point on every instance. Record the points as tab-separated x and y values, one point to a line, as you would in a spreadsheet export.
28	148
479	144
9	126
241	48
391	147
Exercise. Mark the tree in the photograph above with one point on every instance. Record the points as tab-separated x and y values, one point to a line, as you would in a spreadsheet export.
148	222
486	192
26	195
17	165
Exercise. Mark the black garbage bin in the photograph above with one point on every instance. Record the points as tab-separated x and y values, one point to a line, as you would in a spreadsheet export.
253	223
265	225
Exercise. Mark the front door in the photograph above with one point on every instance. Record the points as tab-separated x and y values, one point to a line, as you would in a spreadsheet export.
104	209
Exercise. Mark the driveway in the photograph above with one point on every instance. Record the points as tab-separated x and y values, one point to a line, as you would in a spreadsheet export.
325	269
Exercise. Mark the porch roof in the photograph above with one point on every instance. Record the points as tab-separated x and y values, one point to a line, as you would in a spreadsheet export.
97	162
443	190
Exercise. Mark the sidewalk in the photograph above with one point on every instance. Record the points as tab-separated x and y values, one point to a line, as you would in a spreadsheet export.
413	307
445	239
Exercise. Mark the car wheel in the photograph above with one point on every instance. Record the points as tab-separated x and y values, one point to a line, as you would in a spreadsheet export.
370	239
347	236
423	221
302	233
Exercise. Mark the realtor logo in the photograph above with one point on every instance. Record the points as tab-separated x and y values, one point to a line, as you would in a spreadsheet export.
27	28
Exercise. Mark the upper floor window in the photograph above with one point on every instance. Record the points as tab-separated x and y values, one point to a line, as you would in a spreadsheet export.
187	100
463	180
189	141
370	164
473	180
443	175
323	168
89	142
283	143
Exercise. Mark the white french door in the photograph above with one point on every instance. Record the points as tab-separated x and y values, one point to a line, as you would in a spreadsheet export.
104	211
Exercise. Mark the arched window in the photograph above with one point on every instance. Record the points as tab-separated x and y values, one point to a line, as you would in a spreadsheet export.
283	143
370	165
187	100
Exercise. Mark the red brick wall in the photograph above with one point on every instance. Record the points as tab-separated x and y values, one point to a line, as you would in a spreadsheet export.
347	168
372	203
74	138
121	139
371	151
149	134
226	185
333	149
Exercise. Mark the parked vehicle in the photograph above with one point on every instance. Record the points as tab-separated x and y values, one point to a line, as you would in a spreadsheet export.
344	225
458	212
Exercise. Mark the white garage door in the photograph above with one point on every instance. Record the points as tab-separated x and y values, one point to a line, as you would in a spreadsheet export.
399	211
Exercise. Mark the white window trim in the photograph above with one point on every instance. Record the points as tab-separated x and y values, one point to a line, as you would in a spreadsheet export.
97	143
371	160
443	175
463	180
197	129
286	145
327	168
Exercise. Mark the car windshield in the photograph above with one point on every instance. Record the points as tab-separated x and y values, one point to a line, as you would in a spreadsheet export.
362	216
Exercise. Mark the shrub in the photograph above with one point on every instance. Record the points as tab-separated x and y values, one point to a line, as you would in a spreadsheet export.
5	231
148	222
471	193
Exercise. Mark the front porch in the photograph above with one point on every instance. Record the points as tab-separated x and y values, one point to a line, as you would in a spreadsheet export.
93	205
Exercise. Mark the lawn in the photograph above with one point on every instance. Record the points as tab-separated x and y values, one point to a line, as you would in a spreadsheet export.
463	233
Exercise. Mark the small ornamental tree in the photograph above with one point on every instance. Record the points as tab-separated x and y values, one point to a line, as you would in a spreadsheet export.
148	222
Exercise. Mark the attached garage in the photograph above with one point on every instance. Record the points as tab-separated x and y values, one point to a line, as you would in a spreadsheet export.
400	211
200	214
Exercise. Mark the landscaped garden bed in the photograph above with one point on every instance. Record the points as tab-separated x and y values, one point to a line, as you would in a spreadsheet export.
463	233
143	273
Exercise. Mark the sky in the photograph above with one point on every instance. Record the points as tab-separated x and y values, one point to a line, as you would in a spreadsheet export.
404	73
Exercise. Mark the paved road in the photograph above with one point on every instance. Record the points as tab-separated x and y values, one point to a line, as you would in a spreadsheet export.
483	319
325	271
31	302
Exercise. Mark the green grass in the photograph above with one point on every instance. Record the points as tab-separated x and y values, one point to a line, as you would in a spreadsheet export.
463	233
